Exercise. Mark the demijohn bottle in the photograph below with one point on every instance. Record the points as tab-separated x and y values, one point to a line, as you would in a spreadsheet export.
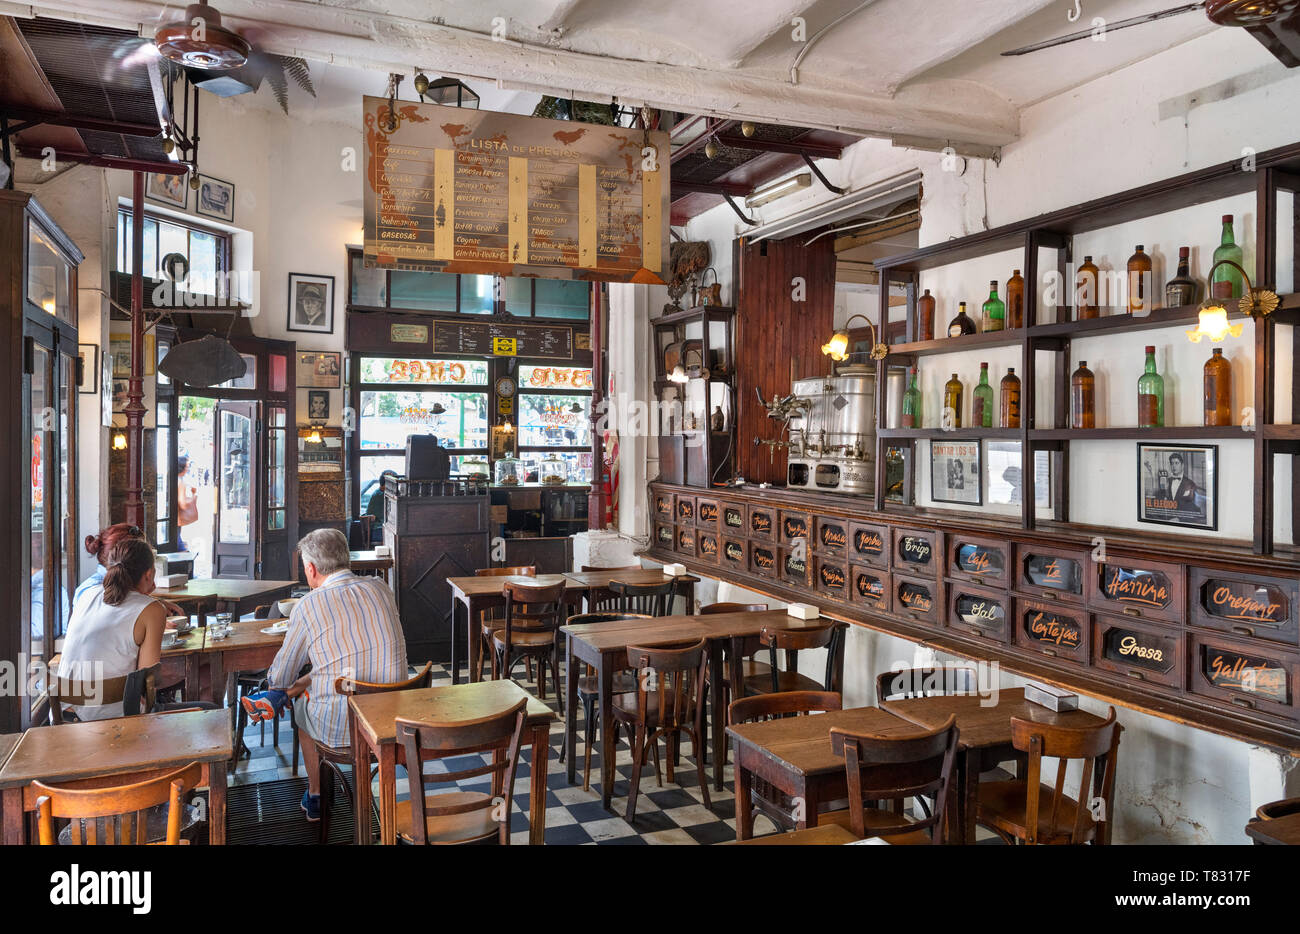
952	399
1010	399
925	317
994	312
1139	282
981	405
962	324
1181	289
912	401
1083	397
1151	394
1218	389
1085	290
1016	300
1226	281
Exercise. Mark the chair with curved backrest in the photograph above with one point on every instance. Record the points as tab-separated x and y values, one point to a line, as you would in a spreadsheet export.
765	799
649	599
135	691
531	631
668	701
793	641
492	620
893	768
115	815
602	599
1026	809
458	817
330	758
1273	810
908	683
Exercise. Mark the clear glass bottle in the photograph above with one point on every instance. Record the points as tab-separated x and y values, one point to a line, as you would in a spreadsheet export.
1083	397
952	393
1218	389
1139	282
962	324
981	405
1086	284
1010	416
912	402
1016	300
1226	281
925	317
1151	394
1182	289
994	313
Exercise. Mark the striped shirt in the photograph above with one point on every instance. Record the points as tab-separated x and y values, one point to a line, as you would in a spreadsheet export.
347	628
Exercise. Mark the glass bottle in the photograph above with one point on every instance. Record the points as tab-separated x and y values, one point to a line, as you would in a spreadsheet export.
952	392
962	324
1139	282
981	406
1010	416
1083	397
1151	394
1016	300
1218	389
925	317
1086	283
1182	288
994	312
1226	281
912	402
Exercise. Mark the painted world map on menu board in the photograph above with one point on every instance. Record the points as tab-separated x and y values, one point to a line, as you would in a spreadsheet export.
458	190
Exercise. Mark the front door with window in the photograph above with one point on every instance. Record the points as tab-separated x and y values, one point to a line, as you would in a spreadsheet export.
238	490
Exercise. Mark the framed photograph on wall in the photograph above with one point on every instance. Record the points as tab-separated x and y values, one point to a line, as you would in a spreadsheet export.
318	405
319	369
215	198
1178	484
311	303
169	189
955	475
1004	475
88	382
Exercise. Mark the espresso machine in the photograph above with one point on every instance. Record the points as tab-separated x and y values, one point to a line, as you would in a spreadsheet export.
830	423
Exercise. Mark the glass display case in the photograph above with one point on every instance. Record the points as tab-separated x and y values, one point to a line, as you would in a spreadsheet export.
474	468
510	471
553	471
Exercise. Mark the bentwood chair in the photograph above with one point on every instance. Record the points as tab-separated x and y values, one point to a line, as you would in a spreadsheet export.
668	701
330	758
602	599
892	769
793	641
491	621
766	799
459	817
1033	812
135	691
531	631
647	599
907	683
116	815
1273	810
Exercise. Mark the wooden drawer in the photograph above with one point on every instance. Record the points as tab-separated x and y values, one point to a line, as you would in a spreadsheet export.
760	523
735	553
792	566
1139	588
1245	604
707	514
685	540
1140	651
796	525
831	578
1051	629
664	536
869	544
985	561
869	587
916	552
763	559
684	509
1050	573
831	536
1244	674
707	546
977	611
733	518
663	506
918	600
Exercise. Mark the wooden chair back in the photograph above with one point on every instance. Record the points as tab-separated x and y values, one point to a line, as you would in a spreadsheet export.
891	768
610	617
602	598
135	691
115	815
793	641
733	608
499	734
533	608
674	676
650	599
350	687
908	683
782	704
1095	746
1276	809
518	570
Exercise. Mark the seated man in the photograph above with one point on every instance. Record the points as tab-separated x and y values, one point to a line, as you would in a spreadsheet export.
347	627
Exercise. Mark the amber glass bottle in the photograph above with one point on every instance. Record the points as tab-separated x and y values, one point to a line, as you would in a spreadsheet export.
952	393
1218	389
1139	282
925	317
1086	285
1010	417
1083	397
1016	300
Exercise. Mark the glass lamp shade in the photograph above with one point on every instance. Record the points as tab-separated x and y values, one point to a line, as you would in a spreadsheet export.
837	347
1213	323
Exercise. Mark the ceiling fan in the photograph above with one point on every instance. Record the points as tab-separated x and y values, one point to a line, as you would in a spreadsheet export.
1273	22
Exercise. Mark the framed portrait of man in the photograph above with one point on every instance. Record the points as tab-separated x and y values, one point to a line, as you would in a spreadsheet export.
318	405
1178	484
311	303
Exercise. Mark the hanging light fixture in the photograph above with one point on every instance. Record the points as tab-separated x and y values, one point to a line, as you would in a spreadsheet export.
1212	319
837	348
711	148
119	441
747	129
200	41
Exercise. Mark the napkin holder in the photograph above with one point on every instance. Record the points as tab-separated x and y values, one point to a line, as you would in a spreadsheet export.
674	570
383	551
1044	695
170	581
803	611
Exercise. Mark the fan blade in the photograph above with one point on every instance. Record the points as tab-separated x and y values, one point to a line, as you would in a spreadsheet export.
1109	28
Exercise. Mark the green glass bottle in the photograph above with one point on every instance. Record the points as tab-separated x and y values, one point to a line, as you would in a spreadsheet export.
1226	281
912	402
981	413
995	313
1151	394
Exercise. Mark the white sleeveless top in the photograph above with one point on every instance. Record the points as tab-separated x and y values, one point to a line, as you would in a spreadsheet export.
104	634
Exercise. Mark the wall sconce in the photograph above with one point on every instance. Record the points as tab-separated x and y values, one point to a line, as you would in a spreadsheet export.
1212	319
314	437
837	348
678	375
119	441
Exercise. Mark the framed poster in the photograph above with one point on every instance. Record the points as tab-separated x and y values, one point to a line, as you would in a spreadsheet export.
311	303
215	198
88	383
169	189
1004	475
119	345
955	474
319	369
318	405
1178	484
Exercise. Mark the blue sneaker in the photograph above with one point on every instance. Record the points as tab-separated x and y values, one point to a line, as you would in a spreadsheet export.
264	705
310	804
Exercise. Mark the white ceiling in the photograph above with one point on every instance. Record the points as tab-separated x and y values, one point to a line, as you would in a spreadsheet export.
894	68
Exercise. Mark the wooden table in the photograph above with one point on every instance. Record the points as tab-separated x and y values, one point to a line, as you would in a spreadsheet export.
985	739
823	835
184	658
247	648
7	743
1280	831
367	562
794	755
374	733
604	647
600	579
120	751
232	595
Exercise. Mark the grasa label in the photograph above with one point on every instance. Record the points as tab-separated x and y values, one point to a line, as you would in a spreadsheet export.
1135	585
1053	629
663	505
1140	650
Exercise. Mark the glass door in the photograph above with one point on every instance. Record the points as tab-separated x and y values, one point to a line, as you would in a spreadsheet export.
238	483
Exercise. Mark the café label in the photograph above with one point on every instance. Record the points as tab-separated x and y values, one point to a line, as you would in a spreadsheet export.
978	560
1052	629
1146	588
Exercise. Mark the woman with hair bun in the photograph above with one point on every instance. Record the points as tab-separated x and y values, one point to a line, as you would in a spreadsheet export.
99	546
116	628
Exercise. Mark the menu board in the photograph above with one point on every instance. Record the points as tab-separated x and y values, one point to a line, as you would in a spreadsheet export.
514	340
467	191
